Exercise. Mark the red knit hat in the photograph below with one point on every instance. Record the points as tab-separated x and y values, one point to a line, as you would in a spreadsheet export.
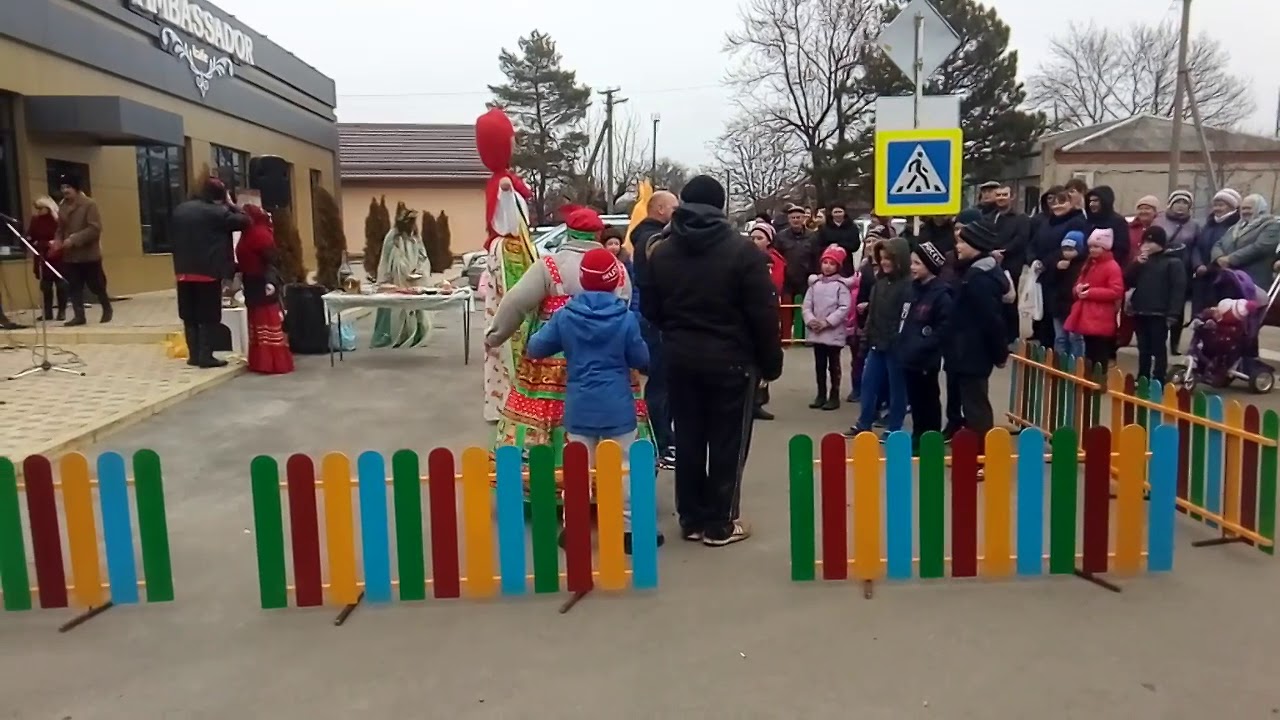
600	271
582	223
835	254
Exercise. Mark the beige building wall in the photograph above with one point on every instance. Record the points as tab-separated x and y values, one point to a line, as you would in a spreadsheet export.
463	203
113	170
1132	181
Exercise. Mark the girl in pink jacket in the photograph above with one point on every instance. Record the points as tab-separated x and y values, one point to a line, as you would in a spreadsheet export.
826	311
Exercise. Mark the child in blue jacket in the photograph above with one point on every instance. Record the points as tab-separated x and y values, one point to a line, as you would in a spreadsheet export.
925	319
601	342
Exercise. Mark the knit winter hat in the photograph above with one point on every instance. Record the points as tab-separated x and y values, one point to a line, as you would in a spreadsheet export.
980	236
1103	238
1184	196
764	227
1150	201
704	190
969	215
930	257
1238	309
1230	197
583	223
600	271
1073	239
835	254
1155	235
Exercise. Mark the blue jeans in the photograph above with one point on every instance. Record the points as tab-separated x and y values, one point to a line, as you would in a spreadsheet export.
882	368
1066	343
655	390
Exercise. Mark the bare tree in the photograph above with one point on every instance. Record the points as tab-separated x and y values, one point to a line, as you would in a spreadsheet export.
630	161
794	64
1097	74
758	162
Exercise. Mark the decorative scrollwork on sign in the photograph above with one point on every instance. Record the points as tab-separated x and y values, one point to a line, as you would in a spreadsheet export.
195	56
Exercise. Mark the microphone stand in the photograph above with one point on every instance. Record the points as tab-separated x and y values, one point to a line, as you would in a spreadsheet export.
44	267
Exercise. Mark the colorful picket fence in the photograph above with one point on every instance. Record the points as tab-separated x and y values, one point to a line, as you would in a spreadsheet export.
855	479
66	506
477	547
1227	451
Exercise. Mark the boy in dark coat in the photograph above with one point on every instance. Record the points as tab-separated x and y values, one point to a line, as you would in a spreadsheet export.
976	343
1158	281
921	337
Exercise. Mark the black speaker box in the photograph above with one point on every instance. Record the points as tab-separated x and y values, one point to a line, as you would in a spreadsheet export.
269	175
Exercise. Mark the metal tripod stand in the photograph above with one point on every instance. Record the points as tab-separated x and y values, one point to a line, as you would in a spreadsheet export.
44	365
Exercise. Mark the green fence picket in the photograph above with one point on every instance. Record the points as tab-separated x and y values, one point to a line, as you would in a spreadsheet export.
546	527
406	489
268	527
1199	442
1062	502
932	506
153	525
797	318
803	551
14	579
1267	481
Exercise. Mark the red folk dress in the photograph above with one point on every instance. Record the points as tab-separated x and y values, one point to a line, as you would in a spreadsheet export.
255	253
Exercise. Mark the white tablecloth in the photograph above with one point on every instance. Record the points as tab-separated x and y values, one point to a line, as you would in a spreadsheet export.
338	302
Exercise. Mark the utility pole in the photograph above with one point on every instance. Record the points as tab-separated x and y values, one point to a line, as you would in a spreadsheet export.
653	165
1183	82
609	103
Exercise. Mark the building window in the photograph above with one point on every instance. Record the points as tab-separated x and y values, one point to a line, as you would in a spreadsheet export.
1031	200
161	188
56	170
9	201
316	179
232	167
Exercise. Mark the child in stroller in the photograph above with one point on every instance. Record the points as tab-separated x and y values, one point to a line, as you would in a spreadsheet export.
1224	340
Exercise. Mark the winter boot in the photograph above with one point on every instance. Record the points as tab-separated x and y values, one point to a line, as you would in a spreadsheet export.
206	359
192	333
107	311
833	399
821	398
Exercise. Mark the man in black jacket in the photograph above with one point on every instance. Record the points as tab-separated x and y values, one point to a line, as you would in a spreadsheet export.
659	210
203	258
796	243
1100	210
709	292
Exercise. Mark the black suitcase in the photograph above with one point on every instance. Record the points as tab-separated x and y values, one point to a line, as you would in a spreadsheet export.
304	319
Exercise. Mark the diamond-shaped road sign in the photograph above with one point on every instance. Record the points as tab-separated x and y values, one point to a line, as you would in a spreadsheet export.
898	39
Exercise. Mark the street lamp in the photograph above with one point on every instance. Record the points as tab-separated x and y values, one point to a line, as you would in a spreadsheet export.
653	167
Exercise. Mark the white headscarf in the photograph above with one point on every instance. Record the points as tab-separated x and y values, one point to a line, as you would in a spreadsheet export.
48	203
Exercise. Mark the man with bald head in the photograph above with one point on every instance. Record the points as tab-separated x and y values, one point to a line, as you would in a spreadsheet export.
661	205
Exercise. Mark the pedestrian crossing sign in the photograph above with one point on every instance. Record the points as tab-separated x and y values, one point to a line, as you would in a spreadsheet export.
918	172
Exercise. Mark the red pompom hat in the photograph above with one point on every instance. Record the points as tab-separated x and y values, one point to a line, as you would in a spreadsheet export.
600	271
583	223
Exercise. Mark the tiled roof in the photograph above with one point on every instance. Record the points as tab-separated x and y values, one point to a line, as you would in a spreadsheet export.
377	151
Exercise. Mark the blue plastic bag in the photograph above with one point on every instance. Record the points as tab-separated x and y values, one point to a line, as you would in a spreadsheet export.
342	336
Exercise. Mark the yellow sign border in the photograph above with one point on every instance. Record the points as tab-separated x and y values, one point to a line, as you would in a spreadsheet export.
955	136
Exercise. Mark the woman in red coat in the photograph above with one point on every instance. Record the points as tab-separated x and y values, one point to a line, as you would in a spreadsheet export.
41	230
1098	293
255	259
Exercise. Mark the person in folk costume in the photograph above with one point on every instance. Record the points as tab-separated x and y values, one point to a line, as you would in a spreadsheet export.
404	264
510	252
256	259
534	411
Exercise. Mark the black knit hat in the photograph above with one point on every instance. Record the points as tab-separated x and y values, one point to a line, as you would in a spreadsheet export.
930	257
980	236
704	190
1155	235
72	181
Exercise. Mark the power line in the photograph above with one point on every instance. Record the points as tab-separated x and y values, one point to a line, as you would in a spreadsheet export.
486	92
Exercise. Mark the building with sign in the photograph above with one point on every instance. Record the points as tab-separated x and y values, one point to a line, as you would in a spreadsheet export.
141	98
430	168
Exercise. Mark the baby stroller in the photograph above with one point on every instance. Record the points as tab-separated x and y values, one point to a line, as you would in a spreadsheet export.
1226	350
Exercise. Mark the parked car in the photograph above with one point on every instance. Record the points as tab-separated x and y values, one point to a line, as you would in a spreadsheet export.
546	239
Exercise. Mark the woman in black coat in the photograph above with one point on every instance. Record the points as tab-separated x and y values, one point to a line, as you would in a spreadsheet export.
839	229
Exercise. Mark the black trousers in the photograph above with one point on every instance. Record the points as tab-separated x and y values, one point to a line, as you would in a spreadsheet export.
51	287
826	362
925	399
712	411
975	402
200	303
1099	350
1153	356
955	409
85	275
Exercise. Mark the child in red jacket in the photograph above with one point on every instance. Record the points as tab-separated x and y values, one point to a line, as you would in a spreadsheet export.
762	235
1098	293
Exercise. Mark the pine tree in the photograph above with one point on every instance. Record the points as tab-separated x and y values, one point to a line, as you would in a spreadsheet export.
984	71
289	247
443	240
372	239
549	110
330	241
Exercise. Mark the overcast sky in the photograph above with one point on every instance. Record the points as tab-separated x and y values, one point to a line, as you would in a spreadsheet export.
414	61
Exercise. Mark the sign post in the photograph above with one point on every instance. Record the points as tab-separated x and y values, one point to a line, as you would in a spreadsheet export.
930	40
